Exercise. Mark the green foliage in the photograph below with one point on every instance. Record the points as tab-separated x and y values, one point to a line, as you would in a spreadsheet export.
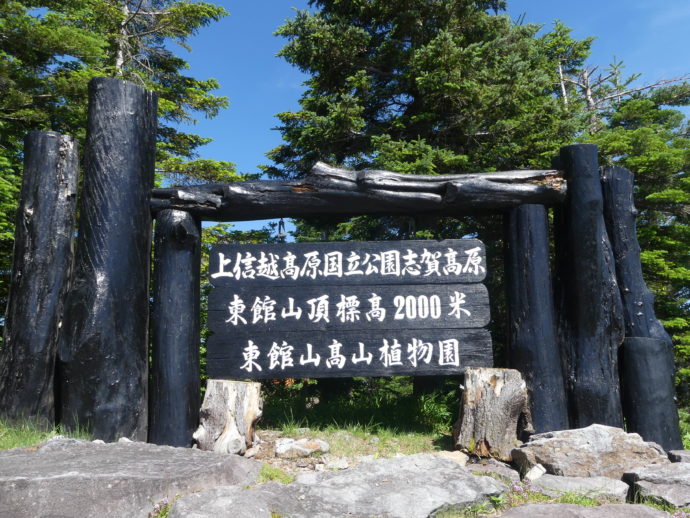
374	403
447	87
268	473
461	90
17	434
435	88
162	509
51	49
519	494
685	427
645	134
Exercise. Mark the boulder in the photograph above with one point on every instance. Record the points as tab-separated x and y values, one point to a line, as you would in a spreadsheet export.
495	469
598	488
597	450
264	501
456	456
669	483
535	473
68	478
287	448
407	487
576	511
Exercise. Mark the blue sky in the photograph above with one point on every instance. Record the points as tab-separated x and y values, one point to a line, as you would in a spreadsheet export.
650	36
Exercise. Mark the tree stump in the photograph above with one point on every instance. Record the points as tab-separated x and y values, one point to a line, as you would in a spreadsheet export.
494	413
228	416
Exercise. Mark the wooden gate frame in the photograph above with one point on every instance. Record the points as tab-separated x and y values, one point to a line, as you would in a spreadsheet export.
566	341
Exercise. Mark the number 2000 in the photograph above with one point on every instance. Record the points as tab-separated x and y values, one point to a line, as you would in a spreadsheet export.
411	307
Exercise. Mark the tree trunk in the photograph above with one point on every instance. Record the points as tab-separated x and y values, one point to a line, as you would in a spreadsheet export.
494	413
533	348
647	368
174	404
104	350
40	275
228	416
589	303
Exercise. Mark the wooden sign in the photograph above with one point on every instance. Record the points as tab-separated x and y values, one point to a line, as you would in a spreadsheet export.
347	309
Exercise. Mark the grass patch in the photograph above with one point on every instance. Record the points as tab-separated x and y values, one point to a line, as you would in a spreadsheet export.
655	503
269	473
684	423
15	434
354	440
363	416
519	494
386	403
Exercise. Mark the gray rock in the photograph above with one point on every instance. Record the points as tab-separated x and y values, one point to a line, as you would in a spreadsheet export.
455	455
535	473
264	501
408	487
679	455
597	450
67	478
495	469
670	482
287	448
337	464
599	488
576	511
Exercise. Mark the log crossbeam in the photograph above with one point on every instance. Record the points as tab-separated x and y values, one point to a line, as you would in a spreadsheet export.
331	190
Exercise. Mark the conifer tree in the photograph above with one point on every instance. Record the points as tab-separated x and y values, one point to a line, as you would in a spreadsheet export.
49	51
431	87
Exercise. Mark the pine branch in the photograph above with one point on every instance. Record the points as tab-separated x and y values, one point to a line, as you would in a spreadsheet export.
618	95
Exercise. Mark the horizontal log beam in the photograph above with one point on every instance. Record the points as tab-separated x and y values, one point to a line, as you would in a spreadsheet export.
330	190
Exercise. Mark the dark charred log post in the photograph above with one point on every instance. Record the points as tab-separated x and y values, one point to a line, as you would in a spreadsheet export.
647	373
328	190
647	368
40	274
104	350
589	303
174	391
494	413
533	347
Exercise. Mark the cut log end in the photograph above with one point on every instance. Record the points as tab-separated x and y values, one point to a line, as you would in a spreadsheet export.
494	414
228	416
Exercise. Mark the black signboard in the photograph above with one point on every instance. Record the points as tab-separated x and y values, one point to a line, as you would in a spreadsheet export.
347	309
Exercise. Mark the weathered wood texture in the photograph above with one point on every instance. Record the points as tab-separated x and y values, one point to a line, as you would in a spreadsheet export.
447	261
620	214
228	416
589	303
174	390
494	413
475	308
647	368
104	350
329	190
40	275
647	374
227	355
533	347
322	310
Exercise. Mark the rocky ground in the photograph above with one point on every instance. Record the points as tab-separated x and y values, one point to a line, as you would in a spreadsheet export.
604	470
